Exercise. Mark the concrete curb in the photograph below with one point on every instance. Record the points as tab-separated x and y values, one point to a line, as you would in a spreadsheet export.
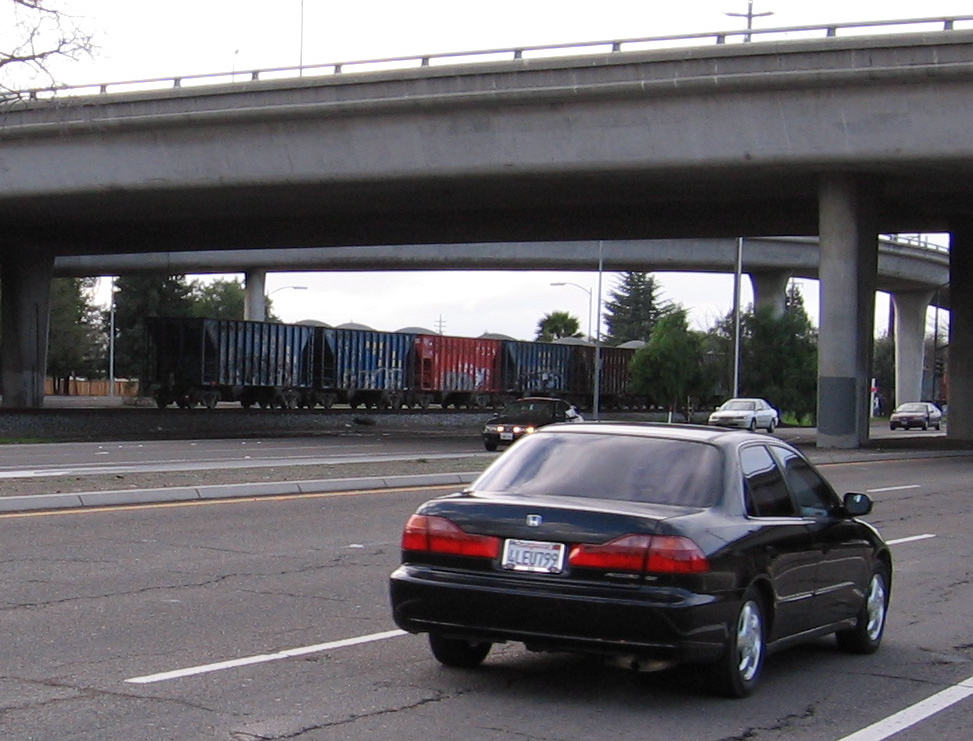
82	500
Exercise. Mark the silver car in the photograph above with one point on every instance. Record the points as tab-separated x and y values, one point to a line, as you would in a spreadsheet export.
747	414
919	414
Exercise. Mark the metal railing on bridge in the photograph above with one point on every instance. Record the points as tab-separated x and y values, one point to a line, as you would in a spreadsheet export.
616	46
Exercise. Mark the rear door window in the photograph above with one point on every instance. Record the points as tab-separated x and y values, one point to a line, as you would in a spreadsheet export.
766	491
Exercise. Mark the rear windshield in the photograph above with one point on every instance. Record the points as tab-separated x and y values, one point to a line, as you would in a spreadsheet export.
626	468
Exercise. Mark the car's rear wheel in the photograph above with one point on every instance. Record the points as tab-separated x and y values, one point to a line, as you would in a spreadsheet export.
772	426
737	672
457	651
490	445
866	636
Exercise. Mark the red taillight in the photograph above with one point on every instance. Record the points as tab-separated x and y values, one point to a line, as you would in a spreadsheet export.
653	554
672	554
628	553
439	535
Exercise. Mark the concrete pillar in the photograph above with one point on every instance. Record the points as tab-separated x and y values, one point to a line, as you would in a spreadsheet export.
849	263
255	300
960	365
25	308
910	335
770	289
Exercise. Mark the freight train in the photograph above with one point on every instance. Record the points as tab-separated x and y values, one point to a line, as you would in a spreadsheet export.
193	361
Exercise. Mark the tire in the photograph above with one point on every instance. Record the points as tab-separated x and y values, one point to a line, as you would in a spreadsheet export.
737	672
772	426
457	652
925	425
866	636
490	446
753	424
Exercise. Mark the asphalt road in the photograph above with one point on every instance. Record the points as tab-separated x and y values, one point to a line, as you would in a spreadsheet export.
118	624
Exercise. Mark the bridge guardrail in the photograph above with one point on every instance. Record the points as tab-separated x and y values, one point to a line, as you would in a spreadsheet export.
942	24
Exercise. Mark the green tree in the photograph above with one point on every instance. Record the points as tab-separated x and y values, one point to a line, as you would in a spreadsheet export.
634	308
779	358
557	325
220	299
138	297
76	344
669	370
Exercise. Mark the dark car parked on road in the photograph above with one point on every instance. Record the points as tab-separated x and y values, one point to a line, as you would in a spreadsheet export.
523	416
649	544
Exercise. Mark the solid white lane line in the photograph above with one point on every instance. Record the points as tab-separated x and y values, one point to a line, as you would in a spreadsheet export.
911	539
263	658
894	488
303	650
884	729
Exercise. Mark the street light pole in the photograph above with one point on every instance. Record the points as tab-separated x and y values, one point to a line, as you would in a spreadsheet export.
596	410
596	395
111	341
737	280
586	290
750	15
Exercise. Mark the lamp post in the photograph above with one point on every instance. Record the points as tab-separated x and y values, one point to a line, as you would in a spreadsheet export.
597	375
271	293
284	288
586	290
111	342
750	15
737	280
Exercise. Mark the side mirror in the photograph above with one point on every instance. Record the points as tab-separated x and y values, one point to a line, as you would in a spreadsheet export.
857	505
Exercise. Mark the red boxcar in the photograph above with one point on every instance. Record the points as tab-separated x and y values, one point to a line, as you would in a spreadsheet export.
457	371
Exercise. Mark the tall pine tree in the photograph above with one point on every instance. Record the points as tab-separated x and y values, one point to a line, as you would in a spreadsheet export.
634	308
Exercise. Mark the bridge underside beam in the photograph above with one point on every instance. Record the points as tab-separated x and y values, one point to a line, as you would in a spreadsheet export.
847	287
25	299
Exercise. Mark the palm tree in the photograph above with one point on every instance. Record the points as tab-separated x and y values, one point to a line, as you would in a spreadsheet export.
556	325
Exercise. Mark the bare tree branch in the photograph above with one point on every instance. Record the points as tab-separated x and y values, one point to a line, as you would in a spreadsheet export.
36	33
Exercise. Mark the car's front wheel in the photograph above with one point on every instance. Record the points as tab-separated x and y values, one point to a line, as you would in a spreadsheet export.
753	424
866	636
737	672
457	651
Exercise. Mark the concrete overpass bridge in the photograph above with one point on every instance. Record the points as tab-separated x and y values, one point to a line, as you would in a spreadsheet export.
842	138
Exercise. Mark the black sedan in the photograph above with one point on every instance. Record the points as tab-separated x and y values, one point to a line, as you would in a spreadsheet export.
524	416
648	544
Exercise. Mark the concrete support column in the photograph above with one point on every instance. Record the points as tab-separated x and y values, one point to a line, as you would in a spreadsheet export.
849	263
255	299
770	290
25	308
960	366
910	335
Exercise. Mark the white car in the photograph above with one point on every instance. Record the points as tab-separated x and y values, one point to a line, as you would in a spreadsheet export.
748	414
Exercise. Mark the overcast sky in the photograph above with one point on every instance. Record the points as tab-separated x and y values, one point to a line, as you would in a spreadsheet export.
139	39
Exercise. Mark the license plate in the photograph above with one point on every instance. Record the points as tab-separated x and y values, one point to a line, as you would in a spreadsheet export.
534	556
506	436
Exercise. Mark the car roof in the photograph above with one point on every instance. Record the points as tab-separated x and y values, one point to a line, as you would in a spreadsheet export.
659	430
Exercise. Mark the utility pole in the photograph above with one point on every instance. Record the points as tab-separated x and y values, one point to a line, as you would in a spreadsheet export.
750	15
